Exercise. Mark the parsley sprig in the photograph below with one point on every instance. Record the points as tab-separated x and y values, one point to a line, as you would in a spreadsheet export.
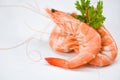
90	14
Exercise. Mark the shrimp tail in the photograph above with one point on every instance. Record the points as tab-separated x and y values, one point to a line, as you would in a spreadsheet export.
57	62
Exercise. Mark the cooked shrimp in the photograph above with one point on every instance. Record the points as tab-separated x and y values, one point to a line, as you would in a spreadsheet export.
86	39
108	51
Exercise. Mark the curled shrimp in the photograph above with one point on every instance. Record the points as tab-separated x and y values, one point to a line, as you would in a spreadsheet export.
107	53
85	38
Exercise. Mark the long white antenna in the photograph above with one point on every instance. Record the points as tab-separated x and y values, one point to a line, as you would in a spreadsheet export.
35	9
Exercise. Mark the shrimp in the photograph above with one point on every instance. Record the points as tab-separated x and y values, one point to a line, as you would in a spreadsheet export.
109	50
85	38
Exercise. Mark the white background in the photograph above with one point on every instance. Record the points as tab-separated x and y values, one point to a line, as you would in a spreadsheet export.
16	64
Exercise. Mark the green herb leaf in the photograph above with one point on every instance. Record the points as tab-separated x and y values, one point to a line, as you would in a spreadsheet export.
90	14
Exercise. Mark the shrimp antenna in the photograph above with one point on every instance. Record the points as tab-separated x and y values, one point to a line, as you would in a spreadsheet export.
28	53
18	45
35	9
36	29
11	5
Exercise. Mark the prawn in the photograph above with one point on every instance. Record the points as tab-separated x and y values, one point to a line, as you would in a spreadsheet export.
108	51
85	38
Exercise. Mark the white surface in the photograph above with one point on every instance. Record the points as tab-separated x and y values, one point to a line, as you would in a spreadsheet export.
16	65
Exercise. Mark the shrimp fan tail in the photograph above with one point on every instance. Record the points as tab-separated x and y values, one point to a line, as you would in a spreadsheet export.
57	62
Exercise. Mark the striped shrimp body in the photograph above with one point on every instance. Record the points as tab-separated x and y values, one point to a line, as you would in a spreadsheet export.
80	36
108	52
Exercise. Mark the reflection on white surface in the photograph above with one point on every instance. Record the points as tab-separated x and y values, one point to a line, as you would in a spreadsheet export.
15	64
